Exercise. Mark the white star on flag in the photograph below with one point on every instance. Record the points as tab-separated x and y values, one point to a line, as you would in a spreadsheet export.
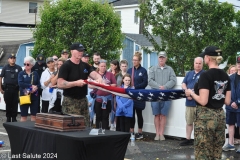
150	94
139	98
162	93
130	93
140	94
149	98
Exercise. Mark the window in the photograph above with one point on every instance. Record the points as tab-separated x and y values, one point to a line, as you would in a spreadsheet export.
0	5
32	7
29	50
118	13
136	16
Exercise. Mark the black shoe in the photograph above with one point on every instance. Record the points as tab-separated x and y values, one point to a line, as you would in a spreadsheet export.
14	119
139	136
8	119
187	142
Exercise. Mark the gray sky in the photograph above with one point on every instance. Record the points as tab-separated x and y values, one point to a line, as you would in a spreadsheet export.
234	2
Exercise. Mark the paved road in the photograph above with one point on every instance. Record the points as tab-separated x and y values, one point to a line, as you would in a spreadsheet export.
146	149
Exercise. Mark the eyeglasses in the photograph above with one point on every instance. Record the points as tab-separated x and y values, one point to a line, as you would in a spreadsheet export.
55	59
26	64
135	60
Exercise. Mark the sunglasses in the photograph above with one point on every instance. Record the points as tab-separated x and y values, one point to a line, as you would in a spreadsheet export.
55	59
12	58
26	64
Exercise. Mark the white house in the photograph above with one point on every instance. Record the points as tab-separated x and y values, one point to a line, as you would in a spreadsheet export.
16	18
127	9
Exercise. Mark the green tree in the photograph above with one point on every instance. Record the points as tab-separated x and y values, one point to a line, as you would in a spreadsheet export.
93	24
186	27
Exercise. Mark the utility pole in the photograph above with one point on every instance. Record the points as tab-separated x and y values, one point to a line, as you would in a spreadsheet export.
35	10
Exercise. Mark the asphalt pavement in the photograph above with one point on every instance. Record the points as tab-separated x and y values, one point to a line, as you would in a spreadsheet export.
146	149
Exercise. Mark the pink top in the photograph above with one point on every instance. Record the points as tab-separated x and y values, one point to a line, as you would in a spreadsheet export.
108	78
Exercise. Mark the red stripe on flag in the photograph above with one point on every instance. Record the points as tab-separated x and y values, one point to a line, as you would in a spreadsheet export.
111	88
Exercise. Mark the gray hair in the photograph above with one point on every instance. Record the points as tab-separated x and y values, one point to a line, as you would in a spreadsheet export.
198	58
30	59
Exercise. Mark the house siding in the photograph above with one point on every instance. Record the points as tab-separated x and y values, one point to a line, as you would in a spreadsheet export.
145	59
127	52
127	19
21	53
153	59
17	12
14	34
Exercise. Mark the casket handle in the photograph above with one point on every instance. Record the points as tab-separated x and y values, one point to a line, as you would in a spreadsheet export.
73	123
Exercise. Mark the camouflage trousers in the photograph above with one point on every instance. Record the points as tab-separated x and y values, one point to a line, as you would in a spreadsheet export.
76	106
209	133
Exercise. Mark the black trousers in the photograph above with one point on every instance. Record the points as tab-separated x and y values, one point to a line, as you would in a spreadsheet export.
102	115
124	123
139	118
45	105
11	98
57	105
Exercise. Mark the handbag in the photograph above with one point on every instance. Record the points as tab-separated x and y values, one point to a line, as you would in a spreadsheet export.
27	98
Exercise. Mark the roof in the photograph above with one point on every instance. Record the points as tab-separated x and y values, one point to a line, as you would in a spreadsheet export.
142	39
125	2
9	48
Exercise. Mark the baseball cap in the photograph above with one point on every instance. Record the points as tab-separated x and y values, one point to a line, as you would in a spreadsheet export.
65	51
40	58
238	59
12	55
49	59
211	51
162	54
86	55
77	46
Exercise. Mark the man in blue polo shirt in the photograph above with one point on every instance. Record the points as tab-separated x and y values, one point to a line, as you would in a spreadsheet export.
188	83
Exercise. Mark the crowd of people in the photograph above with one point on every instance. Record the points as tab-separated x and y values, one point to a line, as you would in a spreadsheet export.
60	84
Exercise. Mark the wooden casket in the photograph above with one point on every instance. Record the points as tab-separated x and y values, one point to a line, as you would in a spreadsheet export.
59	122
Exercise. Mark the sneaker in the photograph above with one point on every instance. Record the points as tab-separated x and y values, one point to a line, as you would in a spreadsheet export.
162	138
238	150
132	134
112	128
187	142
139	136
228	147
157	138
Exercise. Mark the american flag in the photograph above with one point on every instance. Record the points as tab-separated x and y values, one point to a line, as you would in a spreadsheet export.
150	95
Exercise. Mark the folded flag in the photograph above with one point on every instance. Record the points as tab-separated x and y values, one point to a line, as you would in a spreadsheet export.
142	94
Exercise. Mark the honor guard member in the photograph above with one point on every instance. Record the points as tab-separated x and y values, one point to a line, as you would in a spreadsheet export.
10	87
65	54
39	67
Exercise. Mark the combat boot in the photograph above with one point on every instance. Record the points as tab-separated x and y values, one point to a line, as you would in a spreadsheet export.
8	119
14	119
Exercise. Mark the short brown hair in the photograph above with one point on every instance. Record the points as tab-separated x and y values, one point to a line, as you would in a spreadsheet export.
62	59
124	61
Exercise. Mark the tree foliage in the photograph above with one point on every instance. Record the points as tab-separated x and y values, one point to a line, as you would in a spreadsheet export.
186	27
64	22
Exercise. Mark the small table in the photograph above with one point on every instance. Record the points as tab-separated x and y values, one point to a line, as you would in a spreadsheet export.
30	142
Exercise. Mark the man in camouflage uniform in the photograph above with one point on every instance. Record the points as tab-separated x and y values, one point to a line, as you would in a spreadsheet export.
71	79
211	92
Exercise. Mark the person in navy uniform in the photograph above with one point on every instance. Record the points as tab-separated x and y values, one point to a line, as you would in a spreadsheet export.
39	67
10	87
